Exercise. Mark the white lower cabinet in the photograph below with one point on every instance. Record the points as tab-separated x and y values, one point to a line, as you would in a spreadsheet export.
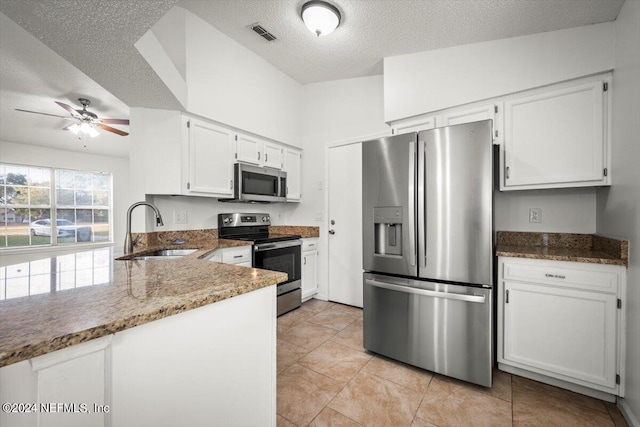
239	255
563	321
211	366
309	268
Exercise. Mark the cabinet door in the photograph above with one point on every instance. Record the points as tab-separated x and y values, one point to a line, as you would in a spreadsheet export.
414	125
211	152
309	274
556	138
293	167
564	333
248	149
468	115
273	155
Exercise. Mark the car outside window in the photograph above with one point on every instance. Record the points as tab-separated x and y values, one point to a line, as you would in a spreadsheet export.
31	195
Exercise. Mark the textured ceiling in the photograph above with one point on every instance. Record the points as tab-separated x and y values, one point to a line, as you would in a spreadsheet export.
97	38
373	29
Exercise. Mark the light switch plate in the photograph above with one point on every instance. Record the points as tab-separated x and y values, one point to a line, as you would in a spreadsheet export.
535	215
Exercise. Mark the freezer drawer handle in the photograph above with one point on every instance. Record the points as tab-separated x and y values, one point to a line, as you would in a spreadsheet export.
428	293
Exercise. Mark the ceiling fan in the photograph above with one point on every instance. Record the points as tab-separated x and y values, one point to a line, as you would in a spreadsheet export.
86	122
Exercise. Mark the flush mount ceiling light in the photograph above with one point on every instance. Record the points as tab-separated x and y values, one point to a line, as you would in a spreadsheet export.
320	17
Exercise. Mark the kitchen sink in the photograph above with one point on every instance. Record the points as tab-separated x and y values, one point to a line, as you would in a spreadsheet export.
165	254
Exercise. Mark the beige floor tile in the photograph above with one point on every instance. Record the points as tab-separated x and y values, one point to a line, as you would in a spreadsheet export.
283	422
294	317
347	309
335	360
316	305
281	329
554	393
399	373
501	387
288	354
417	422
616	415
303	393
330	418
534	408
449	403
333	319
307	335
374	401
351	336
541	413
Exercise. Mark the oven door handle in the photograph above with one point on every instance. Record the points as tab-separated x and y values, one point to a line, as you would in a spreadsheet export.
276	245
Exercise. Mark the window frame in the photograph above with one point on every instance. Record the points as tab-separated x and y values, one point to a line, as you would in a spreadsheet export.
53	207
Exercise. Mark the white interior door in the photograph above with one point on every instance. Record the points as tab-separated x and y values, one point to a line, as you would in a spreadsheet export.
345	224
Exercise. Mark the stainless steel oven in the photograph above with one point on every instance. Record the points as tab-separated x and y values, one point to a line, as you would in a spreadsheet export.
271	251
282	256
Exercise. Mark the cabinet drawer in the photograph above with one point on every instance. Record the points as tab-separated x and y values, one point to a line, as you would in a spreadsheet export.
309	245
236	255
593	277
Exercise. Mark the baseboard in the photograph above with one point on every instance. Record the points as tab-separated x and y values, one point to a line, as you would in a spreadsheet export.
628	415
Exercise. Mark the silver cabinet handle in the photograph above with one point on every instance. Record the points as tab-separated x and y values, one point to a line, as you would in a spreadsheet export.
332	232
258	155
231	184
427	293
555	276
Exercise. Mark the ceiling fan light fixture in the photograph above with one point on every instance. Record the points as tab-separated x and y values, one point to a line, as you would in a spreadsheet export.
75	128
320	17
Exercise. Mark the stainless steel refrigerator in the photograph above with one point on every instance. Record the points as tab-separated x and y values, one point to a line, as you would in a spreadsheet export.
428	249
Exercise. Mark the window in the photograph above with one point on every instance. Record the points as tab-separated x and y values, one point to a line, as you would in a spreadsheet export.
47	206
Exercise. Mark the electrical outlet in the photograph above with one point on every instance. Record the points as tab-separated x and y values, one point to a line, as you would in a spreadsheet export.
535	215
179	217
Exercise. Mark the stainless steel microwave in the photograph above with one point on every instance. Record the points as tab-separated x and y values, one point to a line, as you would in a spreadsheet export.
258	184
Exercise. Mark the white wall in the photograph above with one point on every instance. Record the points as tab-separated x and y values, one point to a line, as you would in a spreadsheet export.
202	212
571	210
42	156
334	111
215	77
434	80
619	206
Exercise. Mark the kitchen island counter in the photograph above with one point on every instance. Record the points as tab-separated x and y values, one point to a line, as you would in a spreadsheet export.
62	301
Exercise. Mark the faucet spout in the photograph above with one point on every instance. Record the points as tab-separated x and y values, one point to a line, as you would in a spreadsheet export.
128	241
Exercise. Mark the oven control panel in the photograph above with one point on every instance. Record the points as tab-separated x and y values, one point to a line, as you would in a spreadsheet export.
243	219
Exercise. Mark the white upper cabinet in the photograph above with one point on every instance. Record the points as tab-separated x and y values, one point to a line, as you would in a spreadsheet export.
259	152
273	155
557	137
211	150
415	124
473	114
248	149
293	167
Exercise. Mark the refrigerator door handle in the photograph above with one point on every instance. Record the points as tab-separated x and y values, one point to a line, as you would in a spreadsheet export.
425	292
422	221
412	206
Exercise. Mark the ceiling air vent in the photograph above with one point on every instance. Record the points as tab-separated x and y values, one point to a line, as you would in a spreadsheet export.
262	32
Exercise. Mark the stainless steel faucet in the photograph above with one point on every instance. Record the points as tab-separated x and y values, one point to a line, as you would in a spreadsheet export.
128	241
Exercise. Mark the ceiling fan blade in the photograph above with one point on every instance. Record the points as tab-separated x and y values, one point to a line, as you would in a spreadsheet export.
70	109
45	114
110	129
115	121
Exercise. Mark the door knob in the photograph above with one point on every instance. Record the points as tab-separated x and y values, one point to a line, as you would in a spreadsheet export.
332	232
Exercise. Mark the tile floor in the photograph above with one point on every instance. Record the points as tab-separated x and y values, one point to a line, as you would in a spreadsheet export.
326	378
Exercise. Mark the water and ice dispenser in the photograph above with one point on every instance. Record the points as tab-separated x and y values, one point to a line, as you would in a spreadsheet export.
388	230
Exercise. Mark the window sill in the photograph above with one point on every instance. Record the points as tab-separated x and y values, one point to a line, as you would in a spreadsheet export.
9	256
